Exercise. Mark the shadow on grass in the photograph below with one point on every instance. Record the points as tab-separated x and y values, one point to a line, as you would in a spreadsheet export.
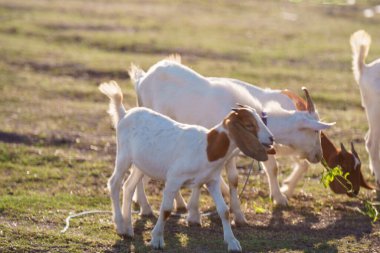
301	229
286	229
30	139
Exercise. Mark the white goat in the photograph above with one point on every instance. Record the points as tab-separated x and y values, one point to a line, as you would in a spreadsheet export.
368	78
182	94
180	155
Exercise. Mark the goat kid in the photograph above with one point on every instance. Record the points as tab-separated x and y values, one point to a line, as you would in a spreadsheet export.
180	155
367	77
184	95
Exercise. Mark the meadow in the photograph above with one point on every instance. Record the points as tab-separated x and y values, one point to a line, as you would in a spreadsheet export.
57	146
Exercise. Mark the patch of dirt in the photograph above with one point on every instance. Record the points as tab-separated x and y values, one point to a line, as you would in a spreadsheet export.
88	27
30	139
75	70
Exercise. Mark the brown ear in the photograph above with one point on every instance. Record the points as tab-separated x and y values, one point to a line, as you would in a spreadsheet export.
247	142
343	149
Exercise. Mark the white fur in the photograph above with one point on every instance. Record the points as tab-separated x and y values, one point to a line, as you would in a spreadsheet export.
184	95
368	78
170	151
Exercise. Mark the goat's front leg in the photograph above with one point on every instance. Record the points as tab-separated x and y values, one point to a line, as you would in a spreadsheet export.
290	183
214	189
170	191
271	170
233	178
128	190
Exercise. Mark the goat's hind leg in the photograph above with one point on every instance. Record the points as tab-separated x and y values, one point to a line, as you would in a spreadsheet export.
233	178
128	190
122	164
141	199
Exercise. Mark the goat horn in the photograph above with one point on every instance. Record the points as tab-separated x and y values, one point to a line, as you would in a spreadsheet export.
344	150
310	104
353	150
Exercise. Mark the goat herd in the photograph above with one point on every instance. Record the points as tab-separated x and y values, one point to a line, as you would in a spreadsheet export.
262	123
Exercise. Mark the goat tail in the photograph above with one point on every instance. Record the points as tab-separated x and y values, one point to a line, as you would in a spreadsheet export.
116	107
360	42
136	73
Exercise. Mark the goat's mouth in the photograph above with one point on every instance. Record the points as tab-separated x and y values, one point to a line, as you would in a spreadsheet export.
269	148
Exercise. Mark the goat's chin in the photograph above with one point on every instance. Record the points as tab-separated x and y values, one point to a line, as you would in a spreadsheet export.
314	159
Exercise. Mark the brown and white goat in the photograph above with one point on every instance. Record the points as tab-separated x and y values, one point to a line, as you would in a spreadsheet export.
349	162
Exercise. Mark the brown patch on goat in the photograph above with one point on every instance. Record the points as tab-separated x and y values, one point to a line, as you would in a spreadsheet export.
217	145
234	182
166	215
227	215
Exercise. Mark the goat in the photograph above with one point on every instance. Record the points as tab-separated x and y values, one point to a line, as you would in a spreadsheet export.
367	76
184	95
349	162
180	155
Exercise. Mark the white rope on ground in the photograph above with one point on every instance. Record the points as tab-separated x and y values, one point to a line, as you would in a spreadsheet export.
179	215
67	220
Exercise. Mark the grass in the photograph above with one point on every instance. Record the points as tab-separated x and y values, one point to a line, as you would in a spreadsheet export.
56	142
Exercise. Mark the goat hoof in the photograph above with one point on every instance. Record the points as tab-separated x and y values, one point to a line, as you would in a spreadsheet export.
194	224
241	223
147	215
281	200
285	191
181	210
157	243
234	246
126	236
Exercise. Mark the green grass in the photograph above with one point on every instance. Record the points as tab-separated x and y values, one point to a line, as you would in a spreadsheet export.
57	145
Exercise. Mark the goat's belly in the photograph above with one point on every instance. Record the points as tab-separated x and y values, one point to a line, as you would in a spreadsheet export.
151	169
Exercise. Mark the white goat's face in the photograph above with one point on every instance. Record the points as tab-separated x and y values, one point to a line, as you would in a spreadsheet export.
307	136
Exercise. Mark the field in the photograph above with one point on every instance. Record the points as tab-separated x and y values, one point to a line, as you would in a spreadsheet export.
56	142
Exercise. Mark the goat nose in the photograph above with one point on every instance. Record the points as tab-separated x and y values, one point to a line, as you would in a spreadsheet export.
271	139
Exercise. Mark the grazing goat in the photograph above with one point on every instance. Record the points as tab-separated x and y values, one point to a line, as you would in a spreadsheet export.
349	162
184	95
180	155
367	77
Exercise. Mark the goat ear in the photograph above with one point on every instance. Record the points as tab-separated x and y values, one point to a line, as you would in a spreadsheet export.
353	151
247	142
316	125
343	149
